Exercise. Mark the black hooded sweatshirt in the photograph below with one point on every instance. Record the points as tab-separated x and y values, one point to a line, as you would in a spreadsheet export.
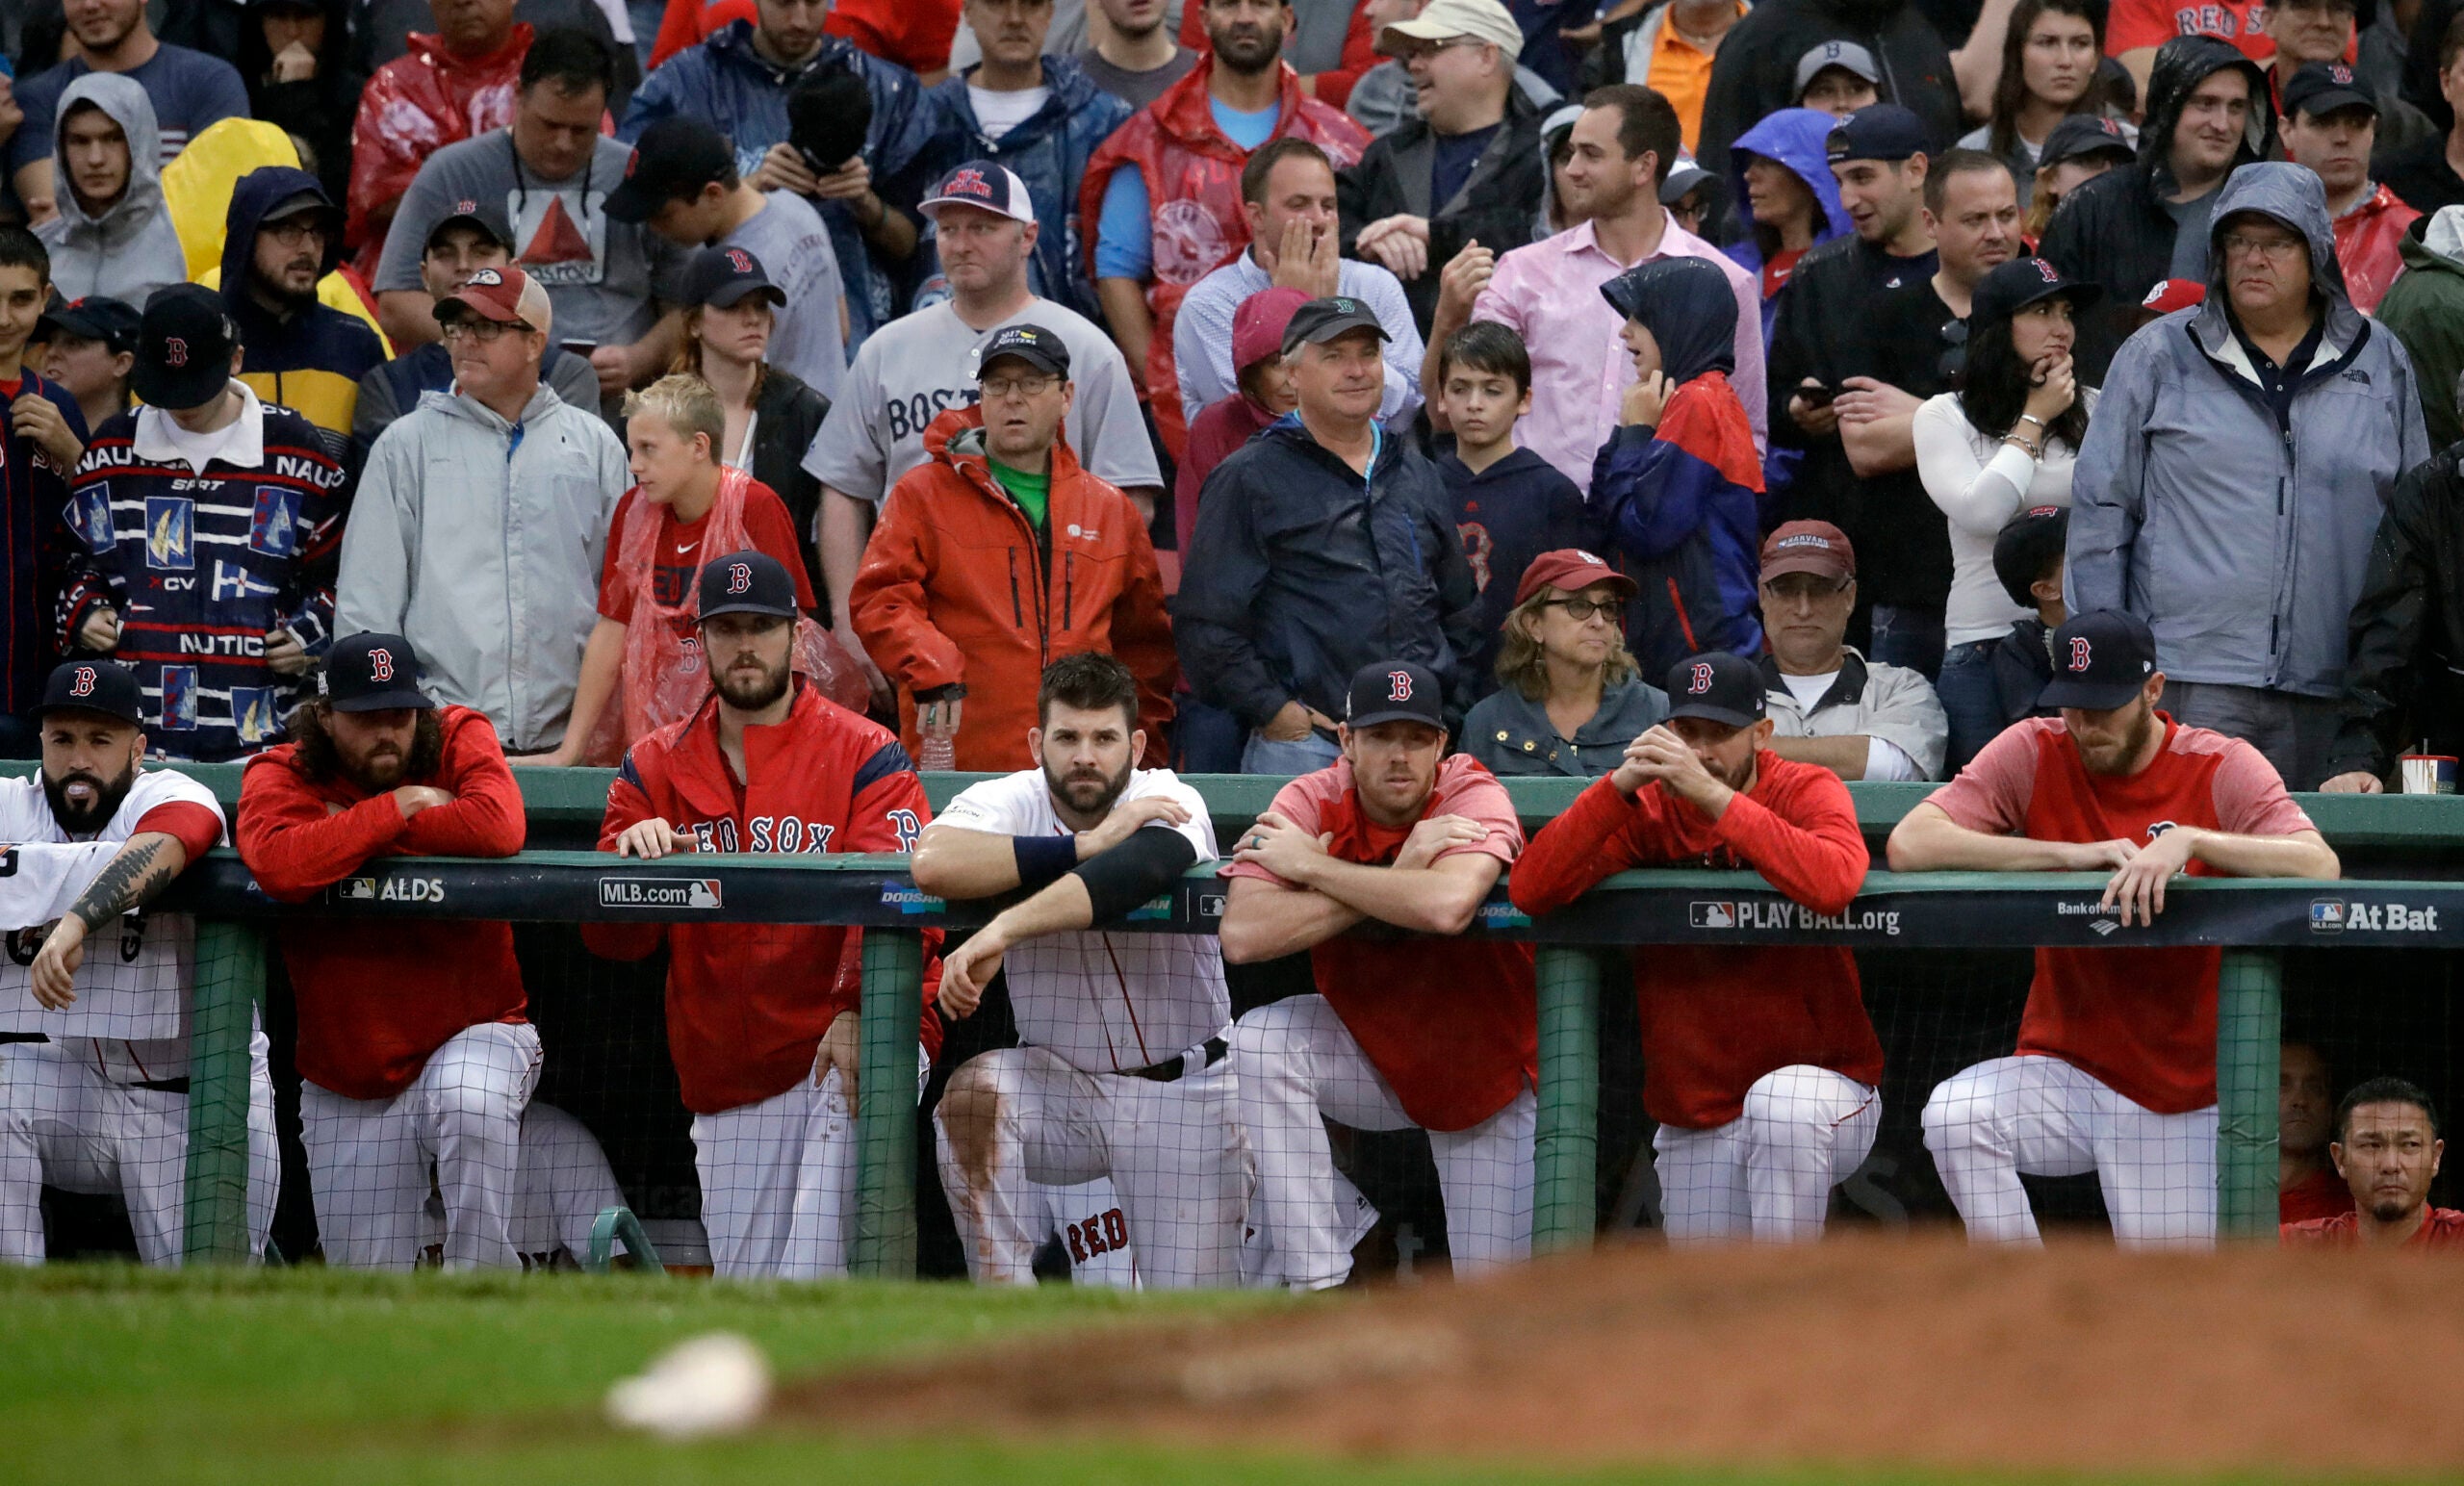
1755	70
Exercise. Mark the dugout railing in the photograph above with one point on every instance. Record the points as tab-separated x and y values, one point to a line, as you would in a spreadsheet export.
2403	888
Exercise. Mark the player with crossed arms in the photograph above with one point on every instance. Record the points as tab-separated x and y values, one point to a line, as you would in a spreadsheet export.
1441	1035
1759	1062
1121	1069
2114	1070
106	1113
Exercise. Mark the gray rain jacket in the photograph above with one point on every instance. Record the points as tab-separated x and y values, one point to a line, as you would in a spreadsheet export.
132	248
2242	539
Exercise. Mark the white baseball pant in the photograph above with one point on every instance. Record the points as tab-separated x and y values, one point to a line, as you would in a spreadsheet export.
62	1122
1295	1061
368	1160
2043	1117
561	1184
1174	1153
779	1181
1767	1174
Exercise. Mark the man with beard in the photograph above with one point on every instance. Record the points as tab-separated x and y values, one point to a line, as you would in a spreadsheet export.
94	1056
1760	1066
1165	190
1424	1032
1121	1069
2114	1070
2387	1148
393	1084
281	234
762	1022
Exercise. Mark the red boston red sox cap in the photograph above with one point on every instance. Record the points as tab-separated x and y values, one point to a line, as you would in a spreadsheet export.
372	673
1395	691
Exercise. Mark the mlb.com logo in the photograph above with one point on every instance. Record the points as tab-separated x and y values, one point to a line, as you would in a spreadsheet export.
1710	916
2335	915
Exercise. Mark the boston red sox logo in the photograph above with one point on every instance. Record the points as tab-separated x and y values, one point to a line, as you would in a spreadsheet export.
175	351
1698	679
2338	74
2045	271
381	664
739	577
465	207
488	276
739	260
967	182
82	684
1398	686
2078	652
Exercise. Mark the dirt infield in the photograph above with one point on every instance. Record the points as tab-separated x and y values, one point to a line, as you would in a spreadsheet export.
1883	1352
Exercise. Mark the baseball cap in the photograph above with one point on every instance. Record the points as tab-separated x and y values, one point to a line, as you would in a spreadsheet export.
1321	320
96	318
370	671
1039	348
2100	660
1395	691
1573	570
1718	686
2009	288
2081	135
724	277
2319	87
1837	54
2170	294
2022	548
674	159
1883	131
1682	177
93	686
300	202
985	186
1443	20
505	295
1808	546
487	218
1259	323
184	345
747	582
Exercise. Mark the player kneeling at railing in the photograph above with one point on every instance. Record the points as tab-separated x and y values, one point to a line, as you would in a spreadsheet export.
95	1068
1436	1033
2114	1070
409	1057
1122	1068
1758	1060
761	1019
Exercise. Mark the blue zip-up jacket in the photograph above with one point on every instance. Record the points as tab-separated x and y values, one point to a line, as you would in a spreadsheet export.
1508	514
2242	538
730	86
1049	151
1796	139
1680	497
35	547
312	362
1300	573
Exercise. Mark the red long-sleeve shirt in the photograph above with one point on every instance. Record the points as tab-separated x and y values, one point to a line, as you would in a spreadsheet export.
1715	1018
375	999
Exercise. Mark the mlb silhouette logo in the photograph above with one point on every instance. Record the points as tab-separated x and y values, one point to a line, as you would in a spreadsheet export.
179	699
1710	916
2327	915
171	533
273	527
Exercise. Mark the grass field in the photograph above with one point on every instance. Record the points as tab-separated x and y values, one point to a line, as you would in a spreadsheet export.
111	1374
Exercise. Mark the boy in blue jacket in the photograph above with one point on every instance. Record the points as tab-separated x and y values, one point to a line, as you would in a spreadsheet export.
1678	484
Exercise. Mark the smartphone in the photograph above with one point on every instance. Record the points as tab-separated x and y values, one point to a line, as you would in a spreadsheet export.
1817	397
583	349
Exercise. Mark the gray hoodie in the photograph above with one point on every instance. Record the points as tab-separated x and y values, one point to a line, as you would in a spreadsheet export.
2240	539
131	249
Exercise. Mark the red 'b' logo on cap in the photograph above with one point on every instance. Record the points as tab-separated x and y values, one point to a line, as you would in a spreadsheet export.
1399	686
381	664
2078	652
82	684
739	577
739	260
2045	271
175	351
1698	679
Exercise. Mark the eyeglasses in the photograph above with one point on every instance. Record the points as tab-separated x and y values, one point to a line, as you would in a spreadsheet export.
296	231
999	387
1581	609
1415	49
2242	244
485	331
1955	353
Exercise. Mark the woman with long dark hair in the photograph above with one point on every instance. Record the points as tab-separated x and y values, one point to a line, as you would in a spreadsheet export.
2049	59
2005	443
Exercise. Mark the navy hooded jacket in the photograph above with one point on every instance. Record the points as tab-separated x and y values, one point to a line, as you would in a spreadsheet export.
310	362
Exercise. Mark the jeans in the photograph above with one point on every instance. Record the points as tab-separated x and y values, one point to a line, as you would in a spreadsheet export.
1970	699
1205	739
2295	732
1300	756
1908	638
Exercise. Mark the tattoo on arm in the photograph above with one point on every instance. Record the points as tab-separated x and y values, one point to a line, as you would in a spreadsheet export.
131	877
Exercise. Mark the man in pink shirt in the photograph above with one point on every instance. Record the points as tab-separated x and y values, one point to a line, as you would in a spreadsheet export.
1549	294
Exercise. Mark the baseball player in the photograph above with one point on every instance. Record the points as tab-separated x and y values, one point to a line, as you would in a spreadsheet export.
2114	1070
2307	1184
414	1066
1123	1066
1422	1033
1758	1060
2387	1148
94	1071
561	1184
762	1019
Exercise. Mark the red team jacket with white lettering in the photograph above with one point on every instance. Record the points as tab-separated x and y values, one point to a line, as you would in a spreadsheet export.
375	999
746	1004
1715	1018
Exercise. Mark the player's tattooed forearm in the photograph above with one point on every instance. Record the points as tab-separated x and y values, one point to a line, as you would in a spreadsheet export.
131	877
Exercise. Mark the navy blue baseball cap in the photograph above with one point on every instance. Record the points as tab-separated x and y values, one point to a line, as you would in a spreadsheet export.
1719	686
95	686
96	318
674	159
370	671
2081	135
1884	131
2008	288
1395	691
184	345
1040	349
724	277
2101	659
747	582
2319	88
985	186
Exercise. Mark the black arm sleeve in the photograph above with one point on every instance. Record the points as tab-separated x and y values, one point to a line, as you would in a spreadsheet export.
1136	870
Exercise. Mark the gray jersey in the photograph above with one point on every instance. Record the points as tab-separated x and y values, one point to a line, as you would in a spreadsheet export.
913	370
793	243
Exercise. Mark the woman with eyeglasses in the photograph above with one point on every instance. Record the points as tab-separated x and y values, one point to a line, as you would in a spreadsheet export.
1570	699
2004	443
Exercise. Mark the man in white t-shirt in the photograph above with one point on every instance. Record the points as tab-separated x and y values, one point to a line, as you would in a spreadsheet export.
1860	719
97	1100
912	370
1122	1068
